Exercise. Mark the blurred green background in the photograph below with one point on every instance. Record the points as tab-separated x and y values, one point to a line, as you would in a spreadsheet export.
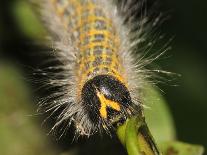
187	101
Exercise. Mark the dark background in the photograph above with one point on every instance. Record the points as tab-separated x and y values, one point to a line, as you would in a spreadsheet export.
188	24
188	102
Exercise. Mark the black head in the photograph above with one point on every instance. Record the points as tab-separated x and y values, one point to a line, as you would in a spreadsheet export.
107	101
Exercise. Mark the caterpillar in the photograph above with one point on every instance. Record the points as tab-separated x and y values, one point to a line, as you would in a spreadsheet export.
100	75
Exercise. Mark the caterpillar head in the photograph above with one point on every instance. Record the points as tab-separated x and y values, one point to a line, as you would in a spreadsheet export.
106	101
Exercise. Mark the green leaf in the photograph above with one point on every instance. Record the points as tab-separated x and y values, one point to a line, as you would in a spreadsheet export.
27	20
180	148
158	116
160	123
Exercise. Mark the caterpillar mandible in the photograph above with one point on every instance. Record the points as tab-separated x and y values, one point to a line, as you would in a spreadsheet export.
95	40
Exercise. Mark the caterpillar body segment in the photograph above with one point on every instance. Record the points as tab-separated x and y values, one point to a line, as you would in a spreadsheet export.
94	36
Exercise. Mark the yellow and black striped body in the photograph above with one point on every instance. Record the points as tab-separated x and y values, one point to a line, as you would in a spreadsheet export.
101	87
95	37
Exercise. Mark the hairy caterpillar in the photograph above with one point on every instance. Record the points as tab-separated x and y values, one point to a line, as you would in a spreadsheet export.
101	76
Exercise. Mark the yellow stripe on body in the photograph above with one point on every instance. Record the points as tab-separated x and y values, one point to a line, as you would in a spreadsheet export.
88	24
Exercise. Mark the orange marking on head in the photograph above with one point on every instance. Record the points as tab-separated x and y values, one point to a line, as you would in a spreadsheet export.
106	103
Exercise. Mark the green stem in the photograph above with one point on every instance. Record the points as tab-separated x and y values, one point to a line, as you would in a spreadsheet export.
136	138
132	144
